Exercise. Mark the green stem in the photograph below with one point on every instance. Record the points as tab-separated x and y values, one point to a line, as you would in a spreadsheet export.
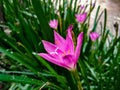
77	79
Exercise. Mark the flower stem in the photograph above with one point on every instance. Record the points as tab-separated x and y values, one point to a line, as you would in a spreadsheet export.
77	79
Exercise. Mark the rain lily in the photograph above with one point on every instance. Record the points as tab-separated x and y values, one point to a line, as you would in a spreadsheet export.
82	7
53	24
63	52
81	17
94	36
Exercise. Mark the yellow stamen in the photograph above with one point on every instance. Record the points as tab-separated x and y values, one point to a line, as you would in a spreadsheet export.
56	42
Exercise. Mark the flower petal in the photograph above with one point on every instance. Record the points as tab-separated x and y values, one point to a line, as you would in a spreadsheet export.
69	31
49	47
59	41
79	45
69	46
53	60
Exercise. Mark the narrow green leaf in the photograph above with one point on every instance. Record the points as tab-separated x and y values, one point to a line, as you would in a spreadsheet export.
45	63
105	21
17	57
20	79
92	71
95	20
45	29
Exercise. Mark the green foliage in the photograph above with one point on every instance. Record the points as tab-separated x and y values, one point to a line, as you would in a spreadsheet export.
27	21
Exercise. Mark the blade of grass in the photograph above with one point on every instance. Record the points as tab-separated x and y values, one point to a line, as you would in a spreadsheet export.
45	63
20	79
19	58
45	29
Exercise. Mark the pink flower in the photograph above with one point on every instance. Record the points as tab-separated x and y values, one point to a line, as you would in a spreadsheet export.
63	52
53	24
81	17
82	7
94	36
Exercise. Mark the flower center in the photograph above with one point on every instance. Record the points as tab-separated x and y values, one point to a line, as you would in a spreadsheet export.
56	42
66	52
59	52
